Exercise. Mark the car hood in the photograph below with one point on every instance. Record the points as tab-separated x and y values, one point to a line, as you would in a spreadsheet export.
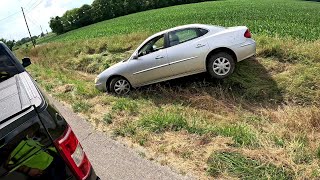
114	69
18	93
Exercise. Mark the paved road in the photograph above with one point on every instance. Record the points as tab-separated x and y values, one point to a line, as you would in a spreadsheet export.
111	159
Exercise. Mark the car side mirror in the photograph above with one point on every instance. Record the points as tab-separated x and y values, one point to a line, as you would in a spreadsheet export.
26	62
136	56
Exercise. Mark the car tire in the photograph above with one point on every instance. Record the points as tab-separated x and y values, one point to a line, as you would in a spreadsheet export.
220	65
120	86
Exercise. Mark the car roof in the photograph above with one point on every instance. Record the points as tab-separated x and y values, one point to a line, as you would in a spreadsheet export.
204	26
18	93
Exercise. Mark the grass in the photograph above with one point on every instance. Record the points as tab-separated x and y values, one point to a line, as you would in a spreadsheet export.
297	19
124	104
245	111
262	122
163	121
243	167
81	106
241	134
108	118
126	129
318	152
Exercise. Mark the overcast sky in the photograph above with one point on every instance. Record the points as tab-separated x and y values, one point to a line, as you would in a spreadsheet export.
38	12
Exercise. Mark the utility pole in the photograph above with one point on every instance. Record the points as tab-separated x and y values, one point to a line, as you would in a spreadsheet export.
41	29
28	27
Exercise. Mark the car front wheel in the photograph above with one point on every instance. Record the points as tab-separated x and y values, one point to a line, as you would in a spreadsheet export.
220	65
120	86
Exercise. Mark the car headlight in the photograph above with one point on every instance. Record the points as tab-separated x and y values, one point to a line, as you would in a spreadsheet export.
96	80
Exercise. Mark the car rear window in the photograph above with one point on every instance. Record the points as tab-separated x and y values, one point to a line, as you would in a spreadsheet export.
187	35
203	31
184	35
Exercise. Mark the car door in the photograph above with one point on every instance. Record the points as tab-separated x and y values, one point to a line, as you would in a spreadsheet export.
152	64
187	50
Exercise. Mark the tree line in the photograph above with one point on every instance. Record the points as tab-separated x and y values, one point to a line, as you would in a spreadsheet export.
101	10
12	43
9	43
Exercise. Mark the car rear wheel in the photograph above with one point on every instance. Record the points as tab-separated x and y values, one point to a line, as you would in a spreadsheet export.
120	86
220	65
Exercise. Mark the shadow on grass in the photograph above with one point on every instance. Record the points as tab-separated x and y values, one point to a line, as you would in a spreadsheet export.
250	85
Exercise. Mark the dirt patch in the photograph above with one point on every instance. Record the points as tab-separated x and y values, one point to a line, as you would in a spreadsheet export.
64	88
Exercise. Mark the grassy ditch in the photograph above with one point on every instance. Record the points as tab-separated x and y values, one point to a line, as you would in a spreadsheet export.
268	110
263	121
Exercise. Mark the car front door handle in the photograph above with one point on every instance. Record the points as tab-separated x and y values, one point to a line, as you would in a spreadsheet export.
159	57
200	45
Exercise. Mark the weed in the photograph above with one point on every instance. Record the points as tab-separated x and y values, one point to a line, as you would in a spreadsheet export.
315	174
196	128
141	137
124	104
142	154
48	87
81	106
87	63
126	129
161	121
186	154
301	151
251	81
107	118
278	141
302	156
241	134
318	152
302	140
254	119
244	168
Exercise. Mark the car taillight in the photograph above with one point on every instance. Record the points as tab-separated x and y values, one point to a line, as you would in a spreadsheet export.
247	34
72	152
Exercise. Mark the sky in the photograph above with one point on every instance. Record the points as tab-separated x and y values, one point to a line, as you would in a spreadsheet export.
38	13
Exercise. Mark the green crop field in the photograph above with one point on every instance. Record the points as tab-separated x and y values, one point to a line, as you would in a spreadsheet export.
263	122
295	18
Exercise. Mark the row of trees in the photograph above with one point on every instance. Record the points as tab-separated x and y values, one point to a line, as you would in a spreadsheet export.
12	43
9	43
101	10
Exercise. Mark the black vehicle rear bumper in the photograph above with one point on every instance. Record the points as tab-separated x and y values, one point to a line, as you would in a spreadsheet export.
93	175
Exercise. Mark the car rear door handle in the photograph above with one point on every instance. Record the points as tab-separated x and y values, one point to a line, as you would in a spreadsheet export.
159	57
200	45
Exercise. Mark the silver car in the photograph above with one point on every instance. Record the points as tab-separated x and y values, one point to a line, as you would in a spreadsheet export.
178	52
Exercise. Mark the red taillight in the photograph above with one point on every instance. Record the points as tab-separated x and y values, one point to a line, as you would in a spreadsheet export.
72	152
247	34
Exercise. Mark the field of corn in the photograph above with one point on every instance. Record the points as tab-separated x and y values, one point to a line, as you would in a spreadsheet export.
261	123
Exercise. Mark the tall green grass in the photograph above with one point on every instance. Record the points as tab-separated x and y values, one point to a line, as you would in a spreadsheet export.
237	165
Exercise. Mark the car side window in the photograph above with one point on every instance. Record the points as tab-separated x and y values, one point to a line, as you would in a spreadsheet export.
153	45
5	65
203	31
184	35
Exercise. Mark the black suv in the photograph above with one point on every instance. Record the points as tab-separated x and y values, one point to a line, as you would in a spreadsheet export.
35	140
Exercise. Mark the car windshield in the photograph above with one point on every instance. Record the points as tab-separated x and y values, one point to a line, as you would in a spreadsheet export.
6	66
